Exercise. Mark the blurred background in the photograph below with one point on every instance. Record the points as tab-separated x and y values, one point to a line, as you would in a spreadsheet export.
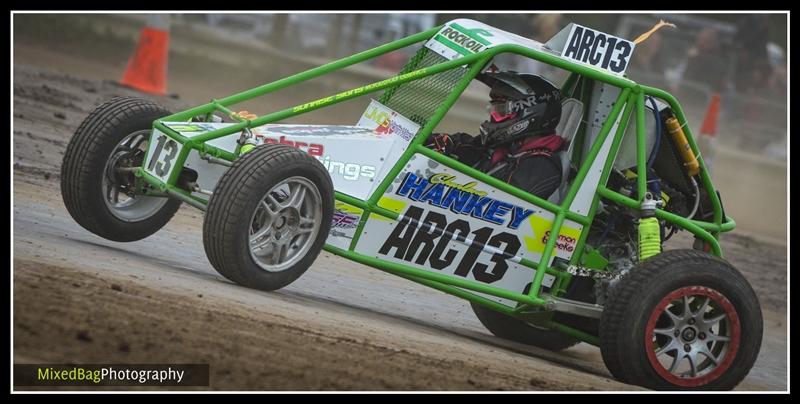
738	59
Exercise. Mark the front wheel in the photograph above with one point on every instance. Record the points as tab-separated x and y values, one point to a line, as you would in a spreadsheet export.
97	181
682	320
269	217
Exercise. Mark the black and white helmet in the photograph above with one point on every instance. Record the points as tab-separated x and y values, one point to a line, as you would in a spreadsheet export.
521	105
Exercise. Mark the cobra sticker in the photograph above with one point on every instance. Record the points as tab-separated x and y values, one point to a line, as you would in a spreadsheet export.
453	224
339	149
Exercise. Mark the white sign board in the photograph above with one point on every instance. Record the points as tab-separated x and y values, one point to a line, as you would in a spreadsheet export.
598	49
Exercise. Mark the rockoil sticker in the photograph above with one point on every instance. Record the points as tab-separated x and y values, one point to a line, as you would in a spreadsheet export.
598	49
455	40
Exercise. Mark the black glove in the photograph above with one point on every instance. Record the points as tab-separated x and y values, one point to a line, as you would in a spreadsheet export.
441	143
461	146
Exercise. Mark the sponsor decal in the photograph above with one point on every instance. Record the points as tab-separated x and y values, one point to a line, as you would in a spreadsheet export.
306	131
384	121
517	127
566	242
428	242
348	171
343	224
532	100
463	40
344	220
440	190
189	127
598	49
318	130
358	91
313	149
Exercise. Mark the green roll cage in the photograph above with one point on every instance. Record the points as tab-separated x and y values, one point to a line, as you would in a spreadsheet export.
631	98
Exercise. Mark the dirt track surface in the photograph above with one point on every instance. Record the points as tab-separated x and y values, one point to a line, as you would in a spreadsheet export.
81	299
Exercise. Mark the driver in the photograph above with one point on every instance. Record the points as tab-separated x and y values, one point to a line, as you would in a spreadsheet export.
518	142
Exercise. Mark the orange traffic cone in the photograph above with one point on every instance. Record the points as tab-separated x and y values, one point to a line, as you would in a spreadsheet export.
707	141
709	126
147	69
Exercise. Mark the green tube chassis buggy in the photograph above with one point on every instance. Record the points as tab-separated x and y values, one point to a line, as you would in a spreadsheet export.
274	195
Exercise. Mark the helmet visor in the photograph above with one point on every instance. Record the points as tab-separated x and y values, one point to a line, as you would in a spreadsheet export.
500	111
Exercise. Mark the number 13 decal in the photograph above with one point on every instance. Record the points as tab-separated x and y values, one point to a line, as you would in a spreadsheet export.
170	148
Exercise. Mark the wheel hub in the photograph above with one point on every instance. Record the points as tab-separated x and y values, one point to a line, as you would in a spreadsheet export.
118	181
285	224
689	334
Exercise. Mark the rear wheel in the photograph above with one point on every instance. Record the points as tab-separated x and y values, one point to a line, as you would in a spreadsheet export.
514	329
683	319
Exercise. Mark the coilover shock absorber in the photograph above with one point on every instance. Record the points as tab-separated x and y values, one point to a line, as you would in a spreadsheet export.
649	229
691	165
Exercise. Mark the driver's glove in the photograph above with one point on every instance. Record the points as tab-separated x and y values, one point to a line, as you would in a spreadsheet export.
441	143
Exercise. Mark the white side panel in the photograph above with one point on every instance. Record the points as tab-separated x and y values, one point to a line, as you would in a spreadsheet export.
626	157
384	120
207	174
453	224
603	99
355	156
353	159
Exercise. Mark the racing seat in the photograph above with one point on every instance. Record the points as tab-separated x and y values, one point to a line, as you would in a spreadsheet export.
571	116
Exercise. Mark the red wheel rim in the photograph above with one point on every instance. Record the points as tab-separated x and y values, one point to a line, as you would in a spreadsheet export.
692	336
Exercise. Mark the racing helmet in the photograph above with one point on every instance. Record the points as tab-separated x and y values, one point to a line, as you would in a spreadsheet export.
521	105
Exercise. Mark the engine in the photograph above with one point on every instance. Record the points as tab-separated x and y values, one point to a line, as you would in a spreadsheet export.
671	179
